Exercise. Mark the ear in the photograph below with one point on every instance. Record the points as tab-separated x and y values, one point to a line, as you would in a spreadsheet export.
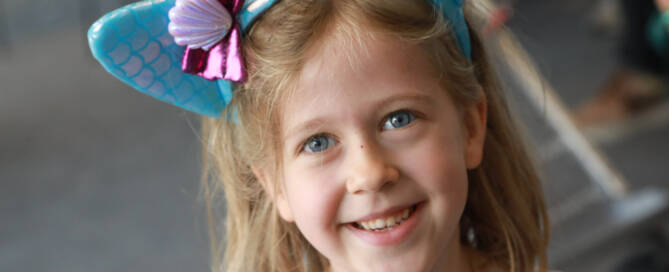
476	117
275	193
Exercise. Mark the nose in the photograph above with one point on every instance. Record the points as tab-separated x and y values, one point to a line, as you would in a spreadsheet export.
369	170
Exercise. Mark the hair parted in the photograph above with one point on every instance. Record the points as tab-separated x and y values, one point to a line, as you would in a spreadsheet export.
505	209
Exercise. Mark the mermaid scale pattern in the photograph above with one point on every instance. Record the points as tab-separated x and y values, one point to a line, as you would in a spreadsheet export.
133	44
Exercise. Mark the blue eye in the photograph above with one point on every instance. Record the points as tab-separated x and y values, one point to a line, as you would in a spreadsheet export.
318	143
398	119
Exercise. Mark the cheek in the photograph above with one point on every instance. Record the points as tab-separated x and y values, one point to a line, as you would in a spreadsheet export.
437	163
314	200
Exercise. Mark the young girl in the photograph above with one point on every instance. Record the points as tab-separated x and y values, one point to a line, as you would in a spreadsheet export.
363	135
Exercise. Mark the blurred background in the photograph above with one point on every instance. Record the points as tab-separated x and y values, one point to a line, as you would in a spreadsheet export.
97	177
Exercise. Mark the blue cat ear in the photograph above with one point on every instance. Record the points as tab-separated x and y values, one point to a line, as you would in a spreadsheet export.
251	10
452	11
133	44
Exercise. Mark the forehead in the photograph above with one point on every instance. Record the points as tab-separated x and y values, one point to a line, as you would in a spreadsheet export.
342	73
349	55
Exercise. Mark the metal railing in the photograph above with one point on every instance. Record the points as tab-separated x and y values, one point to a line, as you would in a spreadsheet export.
589	203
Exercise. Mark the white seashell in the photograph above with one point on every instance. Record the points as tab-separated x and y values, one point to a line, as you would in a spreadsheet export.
199	23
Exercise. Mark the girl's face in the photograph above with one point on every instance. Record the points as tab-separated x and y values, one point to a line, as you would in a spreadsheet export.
376	156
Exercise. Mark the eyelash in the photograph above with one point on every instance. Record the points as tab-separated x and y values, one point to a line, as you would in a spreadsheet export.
385	119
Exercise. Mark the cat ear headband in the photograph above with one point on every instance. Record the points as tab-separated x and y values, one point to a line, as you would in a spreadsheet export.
188	52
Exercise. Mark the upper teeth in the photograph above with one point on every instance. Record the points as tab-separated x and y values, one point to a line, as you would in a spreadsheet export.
388	222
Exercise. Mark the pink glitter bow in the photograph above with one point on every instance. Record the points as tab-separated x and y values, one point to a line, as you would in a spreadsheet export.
197	20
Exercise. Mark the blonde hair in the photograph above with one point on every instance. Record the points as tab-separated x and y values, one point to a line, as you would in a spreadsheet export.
505	219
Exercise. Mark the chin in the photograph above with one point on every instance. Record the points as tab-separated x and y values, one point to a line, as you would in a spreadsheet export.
388	263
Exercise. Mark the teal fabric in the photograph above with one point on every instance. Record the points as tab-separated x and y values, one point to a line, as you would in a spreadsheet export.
658	34
133	44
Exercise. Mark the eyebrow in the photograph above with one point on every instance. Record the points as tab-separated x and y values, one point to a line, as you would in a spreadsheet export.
312	124
420	98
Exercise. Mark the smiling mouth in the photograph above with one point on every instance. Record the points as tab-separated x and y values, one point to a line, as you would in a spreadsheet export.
383	224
